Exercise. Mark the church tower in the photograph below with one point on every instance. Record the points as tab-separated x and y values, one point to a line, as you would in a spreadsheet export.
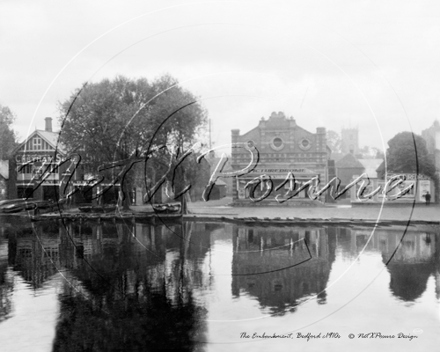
350	141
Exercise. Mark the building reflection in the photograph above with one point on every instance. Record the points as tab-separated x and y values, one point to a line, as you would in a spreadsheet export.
125	286
34	255
133	286
409	254
9	226
6	285
281	266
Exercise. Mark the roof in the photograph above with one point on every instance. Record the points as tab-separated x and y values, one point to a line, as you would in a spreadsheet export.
336	156
349	161
371	166
49	137
4	169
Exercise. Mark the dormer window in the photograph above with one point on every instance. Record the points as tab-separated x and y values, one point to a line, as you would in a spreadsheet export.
37	143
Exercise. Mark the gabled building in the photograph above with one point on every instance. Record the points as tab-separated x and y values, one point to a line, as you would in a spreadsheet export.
36	154
283	147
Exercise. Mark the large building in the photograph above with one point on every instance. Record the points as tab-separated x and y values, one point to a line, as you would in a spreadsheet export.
39	152
283	147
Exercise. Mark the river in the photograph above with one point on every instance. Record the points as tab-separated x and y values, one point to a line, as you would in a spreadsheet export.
201	286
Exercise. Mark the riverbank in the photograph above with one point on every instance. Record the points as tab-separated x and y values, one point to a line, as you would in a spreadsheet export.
222	208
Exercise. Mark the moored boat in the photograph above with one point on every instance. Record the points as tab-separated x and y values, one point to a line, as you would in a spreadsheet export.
22	204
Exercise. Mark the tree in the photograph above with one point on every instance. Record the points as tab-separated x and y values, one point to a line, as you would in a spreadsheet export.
368	152
407	153
7	134
334	141
125	120
379	153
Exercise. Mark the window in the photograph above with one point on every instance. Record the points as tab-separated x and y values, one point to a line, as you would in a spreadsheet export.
277	144
305	144
27	169
37	143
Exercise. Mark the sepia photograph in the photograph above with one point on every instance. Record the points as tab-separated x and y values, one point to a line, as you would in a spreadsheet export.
219	175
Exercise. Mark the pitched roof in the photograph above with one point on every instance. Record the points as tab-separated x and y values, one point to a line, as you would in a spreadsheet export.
50	137
349	161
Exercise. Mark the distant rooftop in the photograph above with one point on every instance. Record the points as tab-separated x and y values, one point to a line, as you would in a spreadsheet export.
349	161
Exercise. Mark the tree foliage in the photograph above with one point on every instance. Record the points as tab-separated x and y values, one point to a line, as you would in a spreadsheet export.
407	153
123	119
334	141
368	152
7	134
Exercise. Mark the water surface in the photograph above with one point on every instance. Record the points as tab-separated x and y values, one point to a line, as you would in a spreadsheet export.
217	287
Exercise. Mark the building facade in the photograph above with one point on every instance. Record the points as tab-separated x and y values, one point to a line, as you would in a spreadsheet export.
421	186
40	152
283	148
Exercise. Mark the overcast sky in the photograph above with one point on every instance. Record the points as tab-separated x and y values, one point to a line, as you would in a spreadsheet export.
367	64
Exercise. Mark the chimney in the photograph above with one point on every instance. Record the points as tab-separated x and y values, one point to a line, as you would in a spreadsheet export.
48	124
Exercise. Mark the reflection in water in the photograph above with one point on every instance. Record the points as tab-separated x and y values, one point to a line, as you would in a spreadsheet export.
281	266
6	284
410	259
138	287
127	288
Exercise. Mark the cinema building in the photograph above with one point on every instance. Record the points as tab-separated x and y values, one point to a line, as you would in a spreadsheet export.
283	147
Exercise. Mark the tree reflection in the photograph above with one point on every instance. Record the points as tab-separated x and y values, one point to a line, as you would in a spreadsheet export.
265	258
131	293
6	287
410	262
408	281
408	253
139	287
144	322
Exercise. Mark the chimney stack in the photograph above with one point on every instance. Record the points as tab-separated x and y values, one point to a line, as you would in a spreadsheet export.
48	124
